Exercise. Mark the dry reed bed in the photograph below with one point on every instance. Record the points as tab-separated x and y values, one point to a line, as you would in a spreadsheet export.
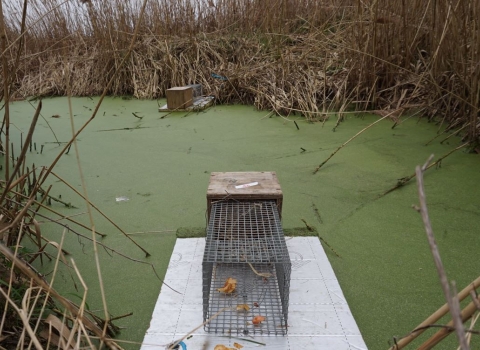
281	55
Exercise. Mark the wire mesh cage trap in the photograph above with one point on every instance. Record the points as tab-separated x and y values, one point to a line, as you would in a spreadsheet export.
246	269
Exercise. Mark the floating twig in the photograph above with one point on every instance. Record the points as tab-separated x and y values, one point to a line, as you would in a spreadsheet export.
352	138
121	129
142	232
58	200
404	180
312	229
317	213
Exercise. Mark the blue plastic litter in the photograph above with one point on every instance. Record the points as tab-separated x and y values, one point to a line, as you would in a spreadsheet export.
177	347
220	77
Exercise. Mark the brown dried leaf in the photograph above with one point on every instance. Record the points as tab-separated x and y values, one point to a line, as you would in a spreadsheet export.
229	286
258	319
62	329
243	307
223	347
237	346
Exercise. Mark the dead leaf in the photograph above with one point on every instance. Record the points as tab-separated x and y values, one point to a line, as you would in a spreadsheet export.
62	329
258	319
223	347
237	346
243	307
229	286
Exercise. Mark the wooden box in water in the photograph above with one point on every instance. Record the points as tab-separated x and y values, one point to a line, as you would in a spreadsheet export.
179	97
244	186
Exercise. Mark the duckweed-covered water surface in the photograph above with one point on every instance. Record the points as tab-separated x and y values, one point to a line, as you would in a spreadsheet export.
149	175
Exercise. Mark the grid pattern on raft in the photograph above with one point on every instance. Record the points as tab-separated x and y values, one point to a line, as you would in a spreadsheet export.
245	232
260	294
245	241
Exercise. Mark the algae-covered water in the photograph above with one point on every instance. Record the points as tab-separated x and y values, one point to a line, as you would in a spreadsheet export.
163	165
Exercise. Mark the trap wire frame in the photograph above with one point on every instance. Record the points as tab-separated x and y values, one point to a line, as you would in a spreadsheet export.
245	241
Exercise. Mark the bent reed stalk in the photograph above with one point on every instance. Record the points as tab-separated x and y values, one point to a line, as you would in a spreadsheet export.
23	322
287	56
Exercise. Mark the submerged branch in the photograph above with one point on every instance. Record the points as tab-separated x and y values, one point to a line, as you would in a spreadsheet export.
355	136
404	180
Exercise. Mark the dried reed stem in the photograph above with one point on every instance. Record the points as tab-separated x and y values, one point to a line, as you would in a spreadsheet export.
100	212
27	271
351	139
437	315
450	327
22	154
172	346
404	180
452	301
6	98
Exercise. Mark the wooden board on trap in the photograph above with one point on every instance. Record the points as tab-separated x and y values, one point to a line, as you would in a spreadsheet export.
251	186
199	104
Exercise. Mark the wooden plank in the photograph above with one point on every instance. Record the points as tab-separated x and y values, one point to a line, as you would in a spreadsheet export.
224	185
267	186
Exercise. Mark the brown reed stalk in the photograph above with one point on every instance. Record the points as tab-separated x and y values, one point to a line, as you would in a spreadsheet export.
451	298
6	119
437	315
355	136
46	207
404	180
27	271
25	147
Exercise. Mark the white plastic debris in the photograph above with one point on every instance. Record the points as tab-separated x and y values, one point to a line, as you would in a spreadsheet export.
247	185
122	199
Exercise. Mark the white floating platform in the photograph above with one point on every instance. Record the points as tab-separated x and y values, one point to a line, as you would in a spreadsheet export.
199	104
318	318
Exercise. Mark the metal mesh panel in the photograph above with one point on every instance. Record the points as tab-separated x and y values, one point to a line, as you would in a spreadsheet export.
245	241
245	232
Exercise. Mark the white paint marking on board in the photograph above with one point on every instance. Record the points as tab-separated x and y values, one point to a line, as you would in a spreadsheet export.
247	185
